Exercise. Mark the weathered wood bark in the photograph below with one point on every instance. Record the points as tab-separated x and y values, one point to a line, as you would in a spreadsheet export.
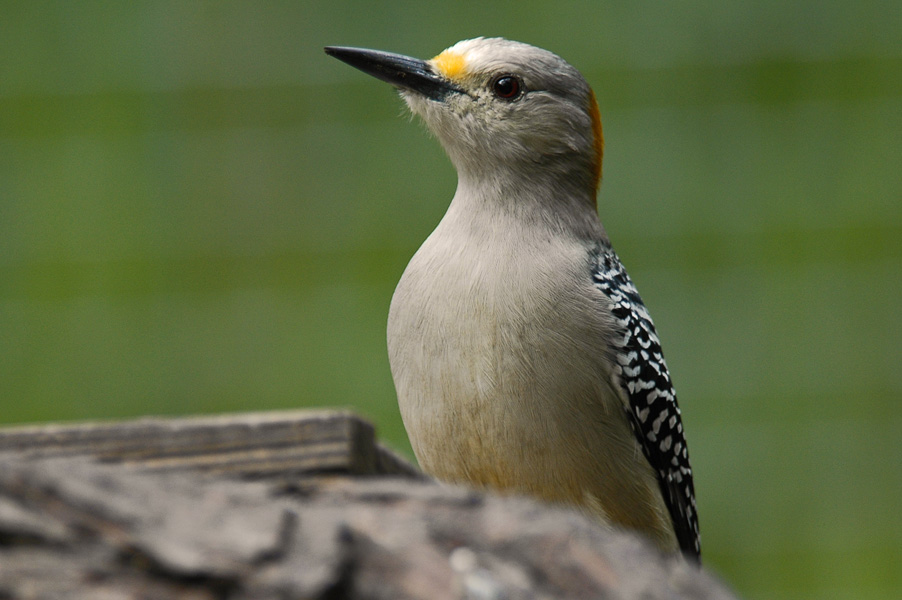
272	444
164	509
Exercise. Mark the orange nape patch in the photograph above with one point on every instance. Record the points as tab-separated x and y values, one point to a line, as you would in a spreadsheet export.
597	137
451	64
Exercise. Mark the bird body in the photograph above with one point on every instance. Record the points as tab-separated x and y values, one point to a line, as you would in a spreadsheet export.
476	360
523	357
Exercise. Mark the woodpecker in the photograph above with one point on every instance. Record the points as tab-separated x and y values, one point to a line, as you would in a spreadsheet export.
522	354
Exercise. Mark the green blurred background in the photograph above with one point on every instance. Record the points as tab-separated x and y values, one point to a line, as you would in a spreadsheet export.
201	212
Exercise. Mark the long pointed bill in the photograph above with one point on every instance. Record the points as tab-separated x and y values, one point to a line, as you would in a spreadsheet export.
399	70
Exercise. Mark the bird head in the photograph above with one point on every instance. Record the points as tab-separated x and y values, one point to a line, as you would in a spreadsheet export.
504	111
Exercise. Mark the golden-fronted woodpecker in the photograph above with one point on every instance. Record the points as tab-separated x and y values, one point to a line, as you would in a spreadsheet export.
522	354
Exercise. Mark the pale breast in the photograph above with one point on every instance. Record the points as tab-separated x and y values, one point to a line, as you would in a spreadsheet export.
503	381
497	359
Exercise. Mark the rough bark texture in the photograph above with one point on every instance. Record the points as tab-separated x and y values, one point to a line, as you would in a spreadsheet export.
288	505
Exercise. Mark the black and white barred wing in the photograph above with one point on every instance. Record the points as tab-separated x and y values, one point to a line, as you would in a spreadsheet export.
653	411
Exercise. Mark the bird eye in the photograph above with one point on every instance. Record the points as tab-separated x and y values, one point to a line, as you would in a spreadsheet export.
506	87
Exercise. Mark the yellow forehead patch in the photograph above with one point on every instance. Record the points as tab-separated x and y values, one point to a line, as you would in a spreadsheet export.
451	64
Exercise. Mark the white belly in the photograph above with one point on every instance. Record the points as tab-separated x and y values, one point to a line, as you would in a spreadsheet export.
498	365
503	381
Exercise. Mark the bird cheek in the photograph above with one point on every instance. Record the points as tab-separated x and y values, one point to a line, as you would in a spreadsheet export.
415	102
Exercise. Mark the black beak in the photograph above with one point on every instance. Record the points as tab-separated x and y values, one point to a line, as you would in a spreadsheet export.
399	70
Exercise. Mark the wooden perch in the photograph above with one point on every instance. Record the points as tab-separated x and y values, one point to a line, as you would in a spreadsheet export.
163	509
272	444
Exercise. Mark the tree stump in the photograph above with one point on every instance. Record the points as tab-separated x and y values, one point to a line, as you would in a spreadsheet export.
288	505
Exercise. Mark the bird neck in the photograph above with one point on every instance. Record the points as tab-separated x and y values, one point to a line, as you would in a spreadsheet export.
537	204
